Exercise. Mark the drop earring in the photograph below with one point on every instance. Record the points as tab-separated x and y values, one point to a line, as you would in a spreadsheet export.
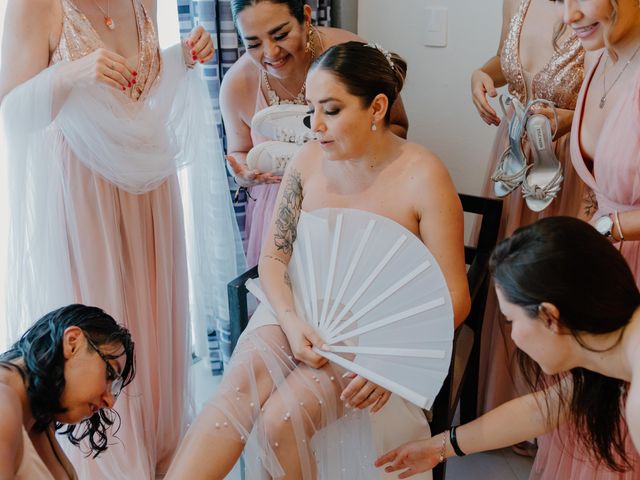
309	47
373	127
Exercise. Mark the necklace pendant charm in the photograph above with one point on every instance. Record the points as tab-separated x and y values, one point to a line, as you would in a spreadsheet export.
602	100
109	23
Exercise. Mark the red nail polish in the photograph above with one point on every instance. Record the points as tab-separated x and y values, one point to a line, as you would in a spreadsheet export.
193	52
194	57
201	61
123	89
133	81
135	73
129	84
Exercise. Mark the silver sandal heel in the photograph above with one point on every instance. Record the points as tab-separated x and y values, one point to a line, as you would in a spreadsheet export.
543	180
512	166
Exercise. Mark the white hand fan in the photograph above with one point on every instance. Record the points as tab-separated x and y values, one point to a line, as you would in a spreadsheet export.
376	295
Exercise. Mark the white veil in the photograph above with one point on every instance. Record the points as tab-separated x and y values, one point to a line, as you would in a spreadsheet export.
134	145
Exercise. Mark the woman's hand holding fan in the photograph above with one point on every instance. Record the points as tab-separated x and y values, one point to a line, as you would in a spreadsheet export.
302	340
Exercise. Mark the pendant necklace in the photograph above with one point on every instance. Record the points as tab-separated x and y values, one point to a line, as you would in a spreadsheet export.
108	21
605	90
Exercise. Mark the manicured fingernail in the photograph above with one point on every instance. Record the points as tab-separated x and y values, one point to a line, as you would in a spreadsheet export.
201	61
133	81
134	73
193	52
193	57
346	374
129	84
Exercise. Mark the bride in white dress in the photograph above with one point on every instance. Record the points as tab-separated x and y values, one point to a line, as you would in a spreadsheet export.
294	414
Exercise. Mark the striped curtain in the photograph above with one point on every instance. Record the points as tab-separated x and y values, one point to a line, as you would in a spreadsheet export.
215	17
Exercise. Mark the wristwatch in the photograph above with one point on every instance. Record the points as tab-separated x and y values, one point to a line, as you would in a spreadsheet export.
604	224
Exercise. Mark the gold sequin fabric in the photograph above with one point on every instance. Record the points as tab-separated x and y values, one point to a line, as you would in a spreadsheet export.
559	80
79	39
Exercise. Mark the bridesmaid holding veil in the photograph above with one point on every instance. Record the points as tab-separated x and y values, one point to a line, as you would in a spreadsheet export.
97	123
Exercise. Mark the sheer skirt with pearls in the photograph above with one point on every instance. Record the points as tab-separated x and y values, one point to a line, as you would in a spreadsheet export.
289	418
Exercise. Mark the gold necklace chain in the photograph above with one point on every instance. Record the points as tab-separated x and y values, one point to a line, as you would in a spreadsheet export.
605	90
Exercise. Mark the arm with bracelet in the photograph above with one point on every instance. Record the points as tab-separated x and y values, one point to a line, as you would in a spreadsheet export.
520	419
620	226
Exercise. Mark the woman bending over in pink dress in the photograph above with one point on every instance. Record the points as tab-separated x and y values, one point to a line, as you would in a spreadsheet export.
61	378
575	313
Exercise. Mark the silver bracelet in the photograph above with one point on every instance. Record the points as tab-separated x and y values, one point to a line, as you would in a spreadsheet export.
616	220
443	448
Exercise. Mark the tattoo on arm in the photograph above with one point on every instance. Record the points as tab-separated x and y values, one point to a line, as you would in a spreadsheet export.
287	279
277	259
590	203
288	214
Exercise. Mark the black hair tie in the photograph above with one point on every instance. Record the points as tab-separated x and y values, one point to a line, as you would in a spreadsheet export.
454	442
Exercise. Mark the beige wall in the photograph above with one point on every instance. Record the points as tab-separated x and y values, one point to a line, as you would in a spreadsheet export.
437	94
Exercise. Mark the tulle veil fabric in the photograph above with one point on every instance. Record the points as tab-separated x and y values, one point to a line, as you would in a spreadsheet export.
164	146
134	145
276	413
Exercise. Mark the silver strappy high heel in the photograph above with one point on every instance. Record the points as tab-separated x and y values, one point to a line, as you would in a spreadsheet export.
512	166
543	179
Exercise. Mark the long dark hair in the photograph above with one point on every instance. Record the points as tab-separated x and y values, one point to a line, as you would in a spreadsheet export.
365	70
567	263
42	368
296	7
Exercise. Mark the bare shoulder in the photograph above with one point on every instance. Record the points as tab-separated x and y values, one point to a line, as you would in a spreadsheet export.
241	78
10	431
49	12
333	36
427	179
424	163
46	4
307	160
239	87
10	406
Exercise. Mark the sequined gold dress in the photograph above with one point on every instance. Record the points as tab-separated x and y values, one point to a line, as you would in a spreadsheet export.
558	81
120	200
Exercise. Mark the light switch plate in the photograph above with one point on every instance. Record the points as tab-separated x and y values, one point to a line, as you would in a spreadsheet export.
435	26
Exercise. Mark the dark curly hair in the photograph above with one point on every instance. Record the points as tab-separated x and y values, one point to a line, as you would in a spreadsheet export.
42	368
566	262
